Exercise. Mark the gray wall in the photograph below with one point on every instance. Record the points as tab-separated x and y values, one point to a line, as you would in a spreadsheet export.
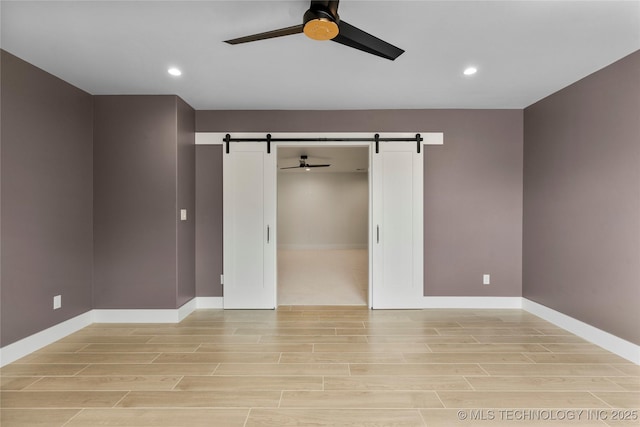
186	199
46	219
208	220
473	185
323	210
582	200
137	235
581	187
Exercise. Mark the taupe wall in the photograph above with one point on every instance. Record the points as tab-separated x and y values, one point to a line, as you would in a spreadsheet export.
581	188
473	185
46	193
582	200
323	210
208	220
186	199
137	232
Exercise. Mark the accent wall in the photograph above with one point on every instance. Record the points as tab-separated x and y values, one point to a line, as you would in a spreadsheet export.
47	199
208	220
144	166
582	200
473	185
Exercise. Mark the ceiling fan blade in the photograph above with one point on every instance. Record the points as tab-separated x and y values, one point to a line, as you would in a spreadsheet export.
317	166
296	29
358	39
293	167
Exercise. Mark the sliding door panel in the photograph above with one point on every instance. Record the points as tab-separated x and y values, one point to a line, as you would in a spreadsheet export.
397	226
249	227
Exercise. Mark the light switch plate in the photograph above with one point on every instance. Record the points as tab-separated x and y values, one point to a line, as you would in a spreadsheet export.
183	214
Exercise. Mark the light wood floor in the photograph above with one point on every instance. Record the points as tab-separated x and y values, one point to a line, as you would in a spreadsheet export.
323	366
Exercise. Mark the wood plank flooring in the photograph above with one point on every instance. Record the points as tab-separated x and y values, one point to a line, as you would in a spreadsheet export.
323	366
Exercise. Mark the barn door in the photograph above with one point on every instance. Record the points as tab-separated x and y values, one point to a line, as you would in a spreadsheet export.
249	215
397	236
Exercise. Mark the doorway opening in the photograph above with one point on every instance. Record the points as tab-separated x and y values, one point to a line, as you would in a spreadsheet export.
323	225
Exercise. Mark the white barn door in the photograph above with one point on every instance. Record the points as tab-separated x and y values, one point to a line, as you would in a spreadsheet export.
249	215
397	226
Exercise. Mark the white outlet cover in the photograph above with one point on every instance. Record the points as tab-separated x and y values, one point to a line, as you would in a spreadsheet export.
57	302
183	214
486	279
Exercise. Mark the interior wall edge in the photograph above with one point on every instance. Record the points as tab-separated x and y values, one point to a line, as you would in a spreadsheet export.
581	223
46	197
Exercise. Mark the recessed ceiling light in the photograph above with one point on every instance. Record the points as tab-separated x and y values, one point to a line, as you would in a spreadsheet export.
469	71
174	71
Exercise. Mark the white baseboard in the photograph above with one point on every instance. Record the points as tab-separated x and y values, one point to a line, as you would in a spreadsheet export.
209	302
472	302
25	346
187	308
168	315
28	345
136	316
614	344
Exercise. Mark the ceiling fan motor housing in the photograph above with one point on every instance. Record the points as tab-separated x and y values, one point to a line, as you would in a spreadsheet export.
321	20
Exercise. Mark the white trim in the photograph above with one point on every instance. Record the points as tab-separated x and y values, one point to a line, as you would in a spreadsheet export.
311	247
209	302
614	344
187	308
472	302
25	346
167	315
432	138
209	138
216	138
136	315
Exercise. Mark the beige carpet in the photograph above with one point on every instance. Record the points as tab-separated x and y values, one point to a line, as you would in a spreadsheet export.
322	277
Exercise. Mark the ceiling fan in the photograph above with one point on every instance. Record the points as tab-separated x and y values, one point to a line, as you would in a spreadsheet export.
321	22
305	165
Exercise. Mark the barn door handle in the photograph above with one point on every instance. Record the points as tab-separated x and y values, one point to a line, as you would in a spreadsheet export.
377	234
268	234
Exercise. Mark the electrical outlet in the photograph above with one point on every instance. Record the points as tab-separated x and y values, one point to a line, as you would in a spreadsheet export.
57	302
486	279
183	214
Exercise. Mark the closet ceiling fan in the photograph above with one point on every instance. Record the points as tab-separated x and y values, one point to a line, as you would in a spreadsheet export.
305	165
321	22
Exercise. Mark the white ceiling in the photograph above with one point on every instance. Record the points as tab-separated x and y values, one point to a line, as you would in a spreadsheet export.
524	50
